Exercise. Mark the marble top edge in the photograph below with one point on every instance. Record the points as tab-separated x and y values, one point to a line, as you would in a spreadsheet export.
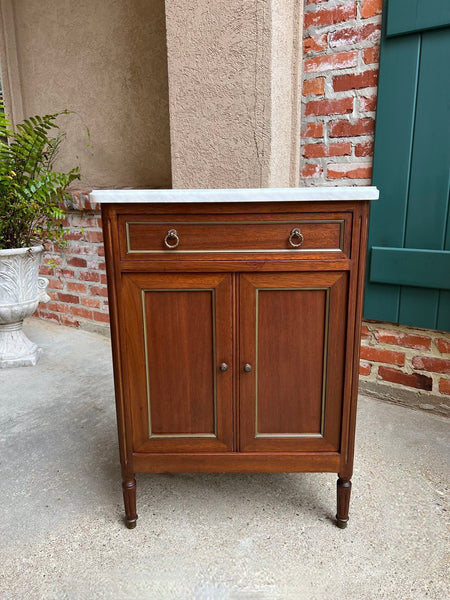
236	195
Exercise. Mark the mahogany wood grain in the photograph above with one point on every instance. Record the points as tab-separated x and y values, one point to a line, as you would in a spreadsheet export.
183	210
123	404
109	232
236	372
353	334
213	236
355	305
129	499
290	353
285	393
170	343
344	488
337	348
237	462
143	239
179	335
240	263
177	331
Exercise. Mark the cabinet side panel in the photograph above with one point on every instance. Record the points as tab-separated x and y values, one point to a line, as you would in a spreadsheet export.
355	305
109	225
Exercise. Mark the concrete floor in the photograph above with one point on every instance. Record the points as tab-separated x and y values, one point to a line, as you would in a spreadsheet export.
205	536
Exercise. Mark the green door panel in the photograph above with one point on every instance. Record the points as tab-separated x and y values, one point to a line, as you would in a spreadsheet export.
406	283
429	180
420	309
429	183
399	67
399	70
443	316
409	16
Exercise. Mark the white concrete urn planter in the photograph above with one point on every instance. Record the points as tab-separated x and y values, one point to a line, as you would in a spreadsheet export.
21	290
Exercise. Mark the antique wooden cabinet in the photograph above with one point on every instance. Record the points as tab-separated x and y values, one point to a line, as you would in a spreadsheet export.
235	321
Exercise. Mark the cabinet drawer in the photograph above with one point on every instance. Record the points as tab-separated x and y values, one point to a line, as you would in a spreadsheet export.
177	237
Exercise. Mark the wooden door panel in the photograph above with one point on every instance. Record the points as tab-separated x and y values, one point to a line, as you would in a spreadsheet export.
179	331
179	328
286	319
293	336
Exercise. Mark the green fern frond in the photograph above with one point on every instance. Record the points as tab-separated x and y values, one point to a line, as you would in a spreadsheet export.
31	192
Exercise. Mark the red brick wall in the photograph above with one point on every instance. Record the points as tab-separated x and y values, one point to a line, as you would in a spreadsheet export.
77	272
341	43
341	49
408	358
341	55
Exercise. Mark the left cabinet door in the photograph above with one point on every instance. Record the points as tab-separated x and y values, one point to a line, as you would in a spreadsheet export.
177	331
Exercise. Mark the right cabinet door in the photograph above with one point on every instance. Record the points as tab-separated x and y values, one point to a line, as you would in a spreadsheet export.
292	360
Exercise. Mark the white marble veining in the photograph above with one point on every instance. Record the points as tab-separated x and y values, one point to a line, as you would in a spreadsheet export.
237	195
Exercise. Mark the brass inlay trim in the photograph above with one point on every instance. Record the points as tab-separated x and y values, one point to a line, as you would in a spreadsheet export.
288	435
341	223
324	373
147	376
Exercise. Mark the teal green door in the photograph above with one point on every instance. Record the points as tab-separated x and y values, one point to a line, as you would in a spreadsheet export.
408	275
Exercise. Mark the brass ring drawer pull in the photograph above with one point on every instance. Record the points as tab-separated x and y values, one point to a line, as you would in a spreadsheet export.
171	235
296	238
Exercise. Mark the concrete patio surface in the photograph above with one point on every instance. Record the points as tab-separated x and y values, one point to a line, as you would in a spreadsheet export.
205	536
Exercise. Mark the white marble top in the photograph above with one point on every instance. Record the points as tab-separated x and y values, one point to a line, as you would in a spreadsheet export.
305	194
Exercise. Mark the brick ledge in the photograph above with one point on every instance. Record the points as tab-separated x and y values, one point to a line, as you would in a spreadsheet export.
410	398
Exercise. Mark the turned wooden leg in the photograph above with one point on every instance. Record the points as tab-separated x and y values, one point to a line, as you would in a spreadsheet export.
129	499
344	488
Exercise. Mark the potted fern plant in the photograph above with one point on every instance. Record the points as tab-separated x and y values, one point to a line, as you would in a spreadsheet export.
31	213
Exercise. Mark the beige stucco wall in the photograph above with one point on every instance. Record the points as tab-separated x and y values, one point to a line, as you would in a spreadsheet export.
107	61
234	92
232	70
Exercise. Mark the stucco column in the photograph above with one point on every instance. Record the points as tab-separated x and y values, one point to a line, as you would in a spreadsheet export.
234	92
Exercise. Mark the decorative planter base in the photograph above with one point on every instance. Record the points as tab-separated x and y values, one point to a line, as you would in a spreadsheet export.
16	350
21	290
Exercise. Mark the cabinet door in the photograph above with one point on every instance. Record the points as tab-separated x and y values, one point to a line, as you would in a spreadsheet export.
292	336
177	331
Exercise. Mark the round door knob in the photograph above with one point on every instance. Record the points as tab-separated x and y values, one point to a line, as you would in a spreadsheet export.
247	368
223	367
